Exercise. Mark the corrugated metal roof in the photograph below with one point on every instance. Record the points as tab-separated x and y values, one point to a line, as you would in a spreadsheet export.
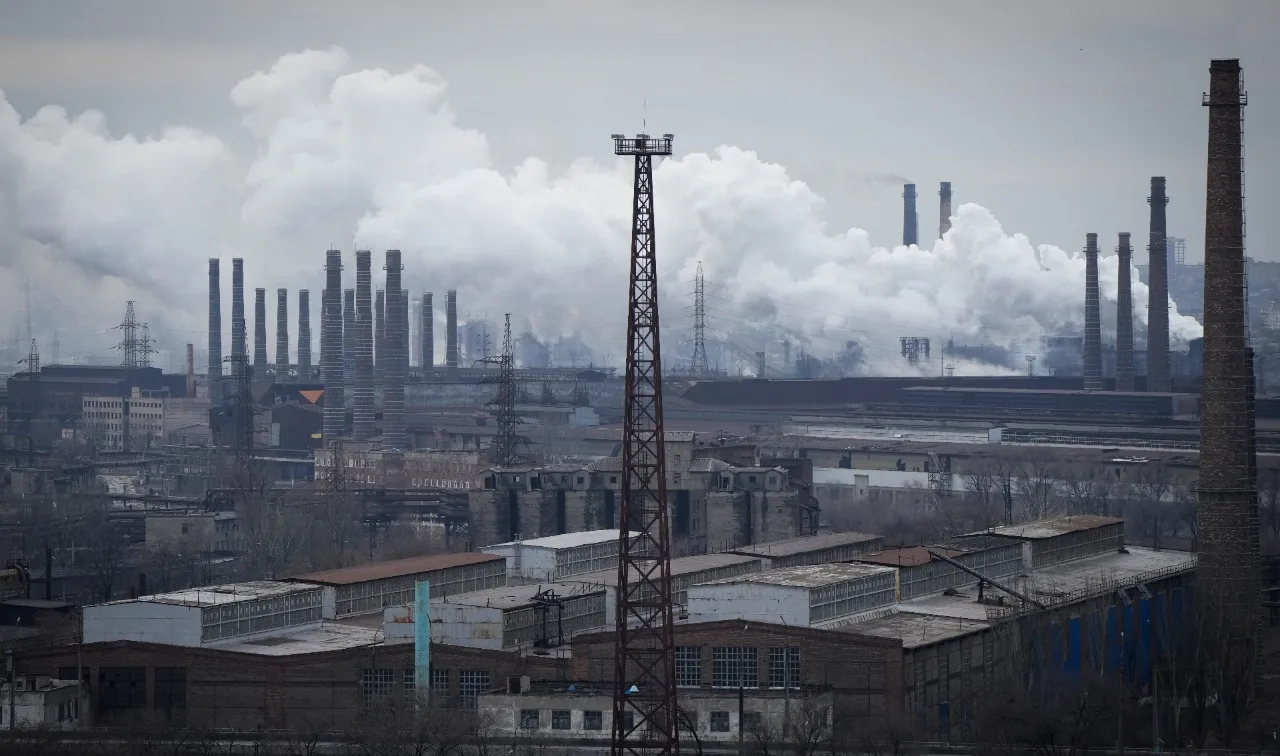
1051	528
395	568
792	546
566	540
515	596
911	556
808	576
230	593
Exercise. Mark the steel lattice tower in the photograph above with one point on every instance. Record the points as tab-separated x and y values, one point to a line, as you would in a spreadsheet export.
644	686
698	365
505	448
131	344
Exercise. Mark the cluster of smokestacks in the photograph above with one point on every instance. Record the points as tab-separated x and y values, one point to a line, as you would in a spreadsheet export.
362	344
910	221
1229	575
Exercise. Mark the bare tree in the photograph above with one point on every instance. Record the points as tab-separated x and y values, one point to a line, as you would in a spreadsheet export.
1036	485
275	532
105	547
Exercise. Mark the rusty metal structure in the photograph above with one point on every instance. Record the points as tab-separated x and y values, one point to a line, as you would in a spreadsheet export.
1158	300
644	685
1124	315
1092	317
506	447
1227	512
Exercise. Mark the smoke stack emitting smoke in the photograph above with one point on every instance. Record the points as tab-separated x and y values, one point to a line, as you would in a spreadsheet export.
331	349
547	246
362	424
944	209
910	226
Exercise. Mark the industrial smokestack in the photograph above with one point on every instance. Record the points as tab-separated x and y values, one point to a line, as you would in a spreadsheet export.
349	335
1158	283
362	424
944	209
331	348
910	227
304	335
380	337
394	369
260	331
1229	574
282	333
428	333
191	370
215	323
239	330
404	331
451	330
1092	324
1124	316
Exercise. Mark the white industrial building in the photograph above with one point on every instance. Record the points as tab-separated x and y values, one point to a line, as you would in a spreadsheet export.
557	557
685	571
516	617
1049	542
111	421
371	588
816	549
206	616
802	596
44	703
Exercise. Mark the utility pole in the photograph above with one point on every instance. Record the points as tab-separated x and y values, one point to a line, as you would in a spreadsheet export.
505	448
698	365
644	692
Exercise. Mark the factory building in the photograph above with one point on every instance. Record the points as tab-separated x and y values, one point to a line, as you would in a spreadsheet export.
714	507
1048	542
371	588
1148	405
518	617
920	573
804	596
818	549
554	558
685	572
118	423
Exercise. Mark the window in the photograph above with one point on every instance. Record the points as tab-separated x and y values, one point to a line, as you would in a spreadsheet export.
719	721
528	719
560	719
489	482
628	720
185	528
784	667
582	481
751	721
688	666
751	479
171	689
734	667
613	479
472	683
535	482
376	684
593	720
676	477
439	682
122	688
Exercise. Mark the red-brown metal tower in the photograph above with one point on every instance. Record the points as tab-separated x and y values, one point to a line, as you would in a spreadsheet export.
644	685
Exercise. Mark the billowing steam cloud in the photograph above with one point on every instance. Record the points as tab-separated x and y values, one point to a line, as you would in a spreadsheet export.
371	158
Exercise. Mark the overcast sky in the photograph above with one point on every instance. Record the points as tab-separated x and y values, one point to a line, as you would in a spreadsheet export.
1053	115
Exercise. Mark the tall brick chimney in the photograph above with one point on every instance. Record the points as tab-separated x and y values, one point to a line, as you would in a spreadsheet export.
304	336
1124	315
282	332
910	226
334	418
362	425
1092	323
944	209
215	324
260	331
1158	283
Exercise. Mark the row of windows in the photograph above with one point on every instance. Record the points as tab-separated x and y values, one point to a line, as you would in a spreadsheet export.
379	684
738	666
593	720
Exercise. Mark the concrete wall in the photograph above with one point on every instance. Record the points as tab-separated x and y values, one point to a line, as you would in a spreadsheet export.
786	605
463	625
143	621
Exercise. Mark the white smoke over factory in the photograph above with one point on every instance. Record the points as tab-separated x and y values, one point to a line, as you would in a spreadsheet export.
374	160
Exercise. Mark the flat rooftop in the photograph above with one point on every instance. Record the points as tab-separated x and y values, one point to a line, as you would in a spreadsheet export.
393	569
910	556
1039	529
805	544
937	617
216	595
567	540
514	596
689	565
808	576
312	639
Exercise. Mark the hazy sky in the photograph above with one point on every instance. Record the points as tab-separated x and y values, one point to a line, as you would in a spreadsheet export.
1051	114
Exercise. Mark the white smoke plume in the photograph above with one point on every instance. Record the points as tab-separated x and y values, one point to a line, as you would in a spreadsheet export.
367	158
